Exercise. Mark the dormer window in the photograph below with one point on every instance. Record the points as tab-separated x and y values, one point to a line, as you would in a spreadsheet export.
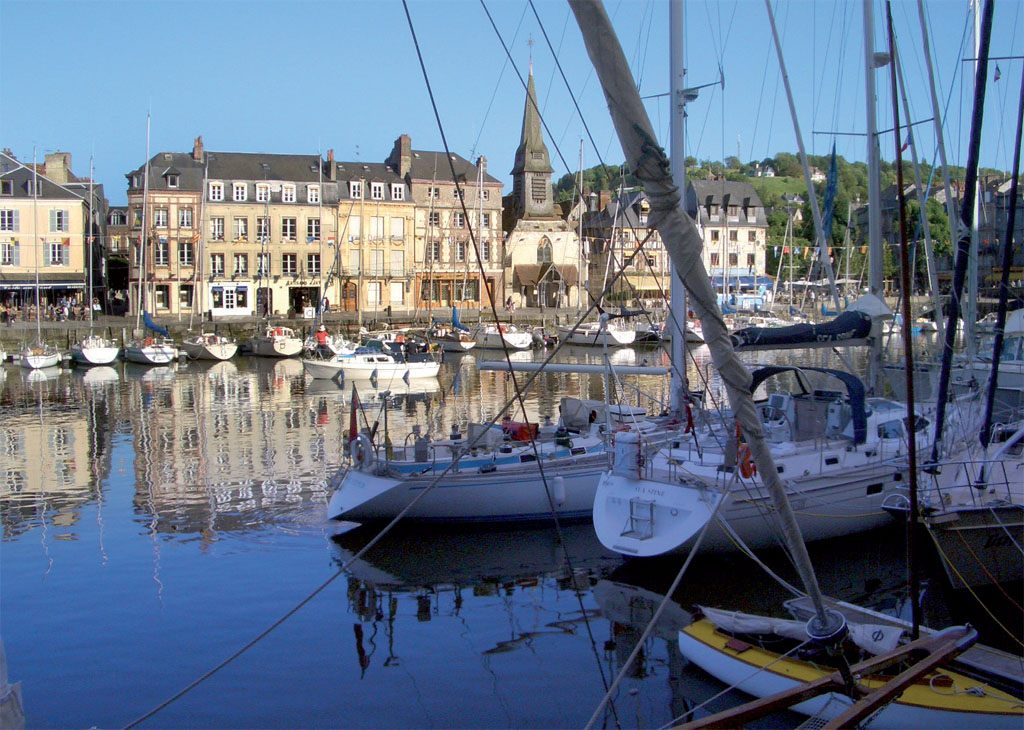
216	191
262	192
397	191
239	192
355	189
172	180
377	191
312	193
6	187
288	194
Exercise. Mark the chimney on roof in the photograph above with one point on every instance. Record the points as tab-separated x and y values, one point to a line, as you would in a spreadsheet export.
332	169
7	151
401	156
58	167
481	163
197	149
604	198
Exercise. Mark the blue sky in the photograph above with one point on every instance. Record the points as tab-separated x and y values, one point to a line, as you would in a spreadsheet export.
295	77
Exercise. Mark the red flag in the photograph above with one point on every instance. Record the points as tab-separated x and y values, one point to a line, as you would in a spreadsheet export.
352	426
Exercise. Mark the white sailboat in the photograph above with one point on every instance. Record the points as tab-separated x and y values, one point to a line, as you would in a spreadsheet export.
600	333
38	354
275	341
491	336
93	349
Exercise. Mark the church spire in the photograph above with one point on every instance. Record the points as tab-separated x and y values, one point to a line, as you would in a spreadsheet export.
531	174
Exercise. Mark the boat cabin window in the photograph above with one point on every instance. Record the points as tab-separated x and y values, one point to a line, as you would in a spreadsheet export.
890	430
920	423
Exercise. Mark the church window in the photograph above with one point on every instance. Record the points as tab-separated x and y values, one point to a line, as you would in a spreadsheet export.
544	252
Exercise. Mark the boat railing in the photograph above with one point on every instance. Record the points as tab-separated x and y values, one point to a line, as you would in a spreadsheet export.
977	483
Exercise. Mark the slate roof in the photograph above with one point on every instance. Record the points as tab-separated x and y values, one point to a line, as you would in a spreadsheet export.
428	166
704	193
21	175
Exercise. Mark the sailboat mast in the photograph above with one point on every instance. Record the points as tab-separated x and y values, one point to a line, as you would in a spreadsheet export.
908	347
874	186
579	240
36	241
200	299
88	243
679	389
140	288
963	251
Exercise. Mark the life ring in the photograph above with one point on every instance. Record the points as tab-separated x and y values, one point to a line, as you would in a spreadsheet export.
361	450
747	466
148	341
278	332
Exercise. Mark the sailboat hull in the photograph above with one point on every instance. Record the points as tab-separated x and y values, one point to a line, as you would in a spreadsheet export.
209	350
154	354
38	360
94	355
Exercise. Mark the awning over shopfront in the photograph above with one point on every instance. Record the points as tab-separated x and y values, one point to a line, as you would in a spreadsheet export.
648	283
46	281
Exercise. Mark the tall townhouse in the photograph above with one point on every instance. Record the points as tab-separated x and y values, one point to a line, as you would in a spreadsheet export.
232	234
451	197
164	232
45	229
735	228
269	231
376	216
613	235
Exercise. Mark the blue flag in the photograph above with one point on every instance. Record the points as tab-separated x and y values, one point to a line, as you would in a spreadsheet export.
830	197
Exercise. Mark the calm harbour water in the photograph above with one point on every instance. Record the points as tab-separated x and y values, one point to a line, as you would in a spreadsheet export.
156	520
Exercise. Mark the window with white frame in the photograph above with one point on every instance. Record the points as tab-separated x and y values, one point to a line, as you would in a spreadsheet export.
262	193
38	186
289	227
9	253
376	226
373	293
398	263
137	254
434	219
288	193
172	180
184	253
434	193
313	264
186	295
185	217
460	251
263	264
459	220
485	194
397	191
241	264
9	221
355	189
397	292
458	194
312	193
162	253
241	226
376	191
397	228
217	264
162	296
7	187
312	230
485	220
485	250
160	217
355	228
57	253
354	261
216	191
290	264
217	229
262	227
377	262
434	251
58	221
239	192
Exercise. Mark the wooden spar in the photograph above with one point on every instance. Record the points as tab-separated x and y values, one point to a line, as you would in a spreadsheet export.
938	649
908	346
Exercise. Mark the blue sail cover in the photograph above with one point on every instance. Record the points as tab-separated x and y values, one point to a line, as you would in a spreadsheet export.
150	324
456	323
850	325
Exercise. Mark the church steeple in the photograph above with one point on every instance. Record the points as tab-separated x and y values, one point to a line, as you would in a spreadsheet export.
531	174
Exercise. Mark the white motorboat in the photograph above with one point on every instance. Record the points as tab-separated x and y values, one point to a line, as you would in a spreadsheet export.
209	346
597	333
95	350
501	336
368	363
151	351
276	341
842	457
492	474
451	339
